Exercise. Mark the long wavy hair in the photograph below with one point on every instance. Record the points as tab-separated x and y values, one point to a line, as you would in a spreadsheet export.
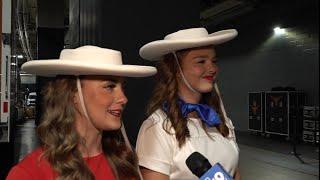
166	90
60	140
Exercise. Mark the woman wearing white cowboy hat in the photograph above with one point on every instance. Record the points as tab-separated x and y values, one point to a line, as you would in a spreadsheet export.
80	134
186	113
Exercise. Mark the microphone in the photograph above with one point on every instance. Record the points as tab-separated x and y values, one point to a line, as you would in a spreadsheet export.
201	167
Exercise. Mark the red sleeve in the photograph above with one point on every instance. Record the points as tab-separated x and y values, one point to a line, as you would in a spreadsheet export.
18	173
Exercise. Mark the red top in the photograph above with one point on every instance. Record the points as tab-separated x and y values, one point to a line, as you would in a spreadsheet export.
33	167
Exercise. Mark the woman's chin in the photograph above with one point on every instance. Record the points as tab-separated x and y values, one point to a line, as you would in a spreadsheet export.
206	89
111	125
114	126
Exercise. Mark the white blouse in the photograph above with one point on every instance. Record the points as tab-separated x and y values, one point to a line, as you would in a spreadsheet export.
159	151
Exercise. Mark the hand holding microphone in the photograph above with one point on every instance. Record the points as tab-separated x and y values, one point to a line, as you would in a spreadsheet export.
201	167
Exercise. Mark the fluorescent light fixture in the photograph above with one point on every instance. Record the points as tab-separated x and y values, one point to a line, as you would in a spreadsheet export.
20	56
279	31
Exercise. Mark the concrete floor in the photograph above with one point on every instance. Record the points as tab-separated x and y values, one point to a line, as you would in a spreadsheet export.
260	158
267	165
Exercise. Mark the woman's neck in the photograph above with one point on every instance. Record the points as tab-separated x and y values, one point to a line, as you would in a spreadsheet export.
92	145
90	142
189	96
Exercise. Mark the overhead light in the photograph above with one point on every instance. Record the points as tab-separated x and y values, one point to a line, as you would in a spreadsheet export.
19	56
279	31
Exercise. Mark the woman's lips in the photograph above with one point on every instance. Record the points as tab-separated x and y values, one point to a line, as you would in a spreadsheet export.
209	78
116	113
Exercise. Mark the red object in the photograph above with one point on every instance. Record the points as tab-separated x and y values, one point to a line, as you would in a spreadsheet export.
35	167
210	78
5	107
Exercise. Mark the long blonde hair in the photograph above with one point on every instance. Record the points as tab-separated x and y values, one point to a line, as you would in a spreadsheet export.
166	90
60	140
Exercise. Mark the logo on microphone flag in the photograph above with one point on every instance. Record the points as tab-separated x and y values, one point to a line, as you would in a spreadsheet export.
216	172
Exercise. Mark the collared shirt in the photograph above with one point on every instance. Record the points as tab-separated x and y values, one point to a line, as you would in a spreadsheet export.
158	150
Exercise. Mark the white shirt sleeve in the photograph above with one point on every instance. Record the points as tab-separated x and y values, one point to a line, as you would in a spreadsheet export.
154	146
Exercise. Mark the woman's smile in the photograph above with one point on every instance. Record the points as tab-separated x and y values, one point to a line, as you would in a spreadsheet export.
209	78
115	112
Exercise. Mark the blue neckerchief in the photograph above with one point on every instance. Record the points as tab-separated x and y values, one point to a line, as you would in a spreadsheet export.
206	113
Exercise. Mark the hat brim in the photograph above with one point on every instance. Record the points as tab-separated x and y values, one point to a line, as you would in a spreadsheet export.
55	67
153	51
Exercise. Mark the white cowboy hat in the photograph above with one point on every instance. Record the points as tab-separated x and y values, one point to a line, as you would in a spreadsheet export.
87	60
184	39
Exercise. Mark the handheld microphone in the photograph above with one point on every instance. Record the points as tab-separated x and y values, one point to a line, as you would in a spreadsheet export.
201	167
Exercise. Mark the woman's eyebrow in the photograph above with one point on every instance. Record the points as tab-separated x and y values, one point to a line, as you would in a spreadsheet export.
112	80
115	80
203	56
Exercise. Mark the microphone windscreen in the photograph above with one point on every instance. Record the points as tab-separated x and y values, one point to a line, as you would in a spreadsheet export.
198	164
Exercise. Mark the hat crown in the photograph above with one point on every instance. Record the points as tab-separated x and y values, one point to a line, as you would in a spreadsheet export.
92	54
188	34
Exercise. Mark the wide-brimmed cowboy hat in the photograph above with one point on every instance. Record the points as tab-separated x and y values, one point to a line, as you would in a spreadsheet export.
184	39
87	60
